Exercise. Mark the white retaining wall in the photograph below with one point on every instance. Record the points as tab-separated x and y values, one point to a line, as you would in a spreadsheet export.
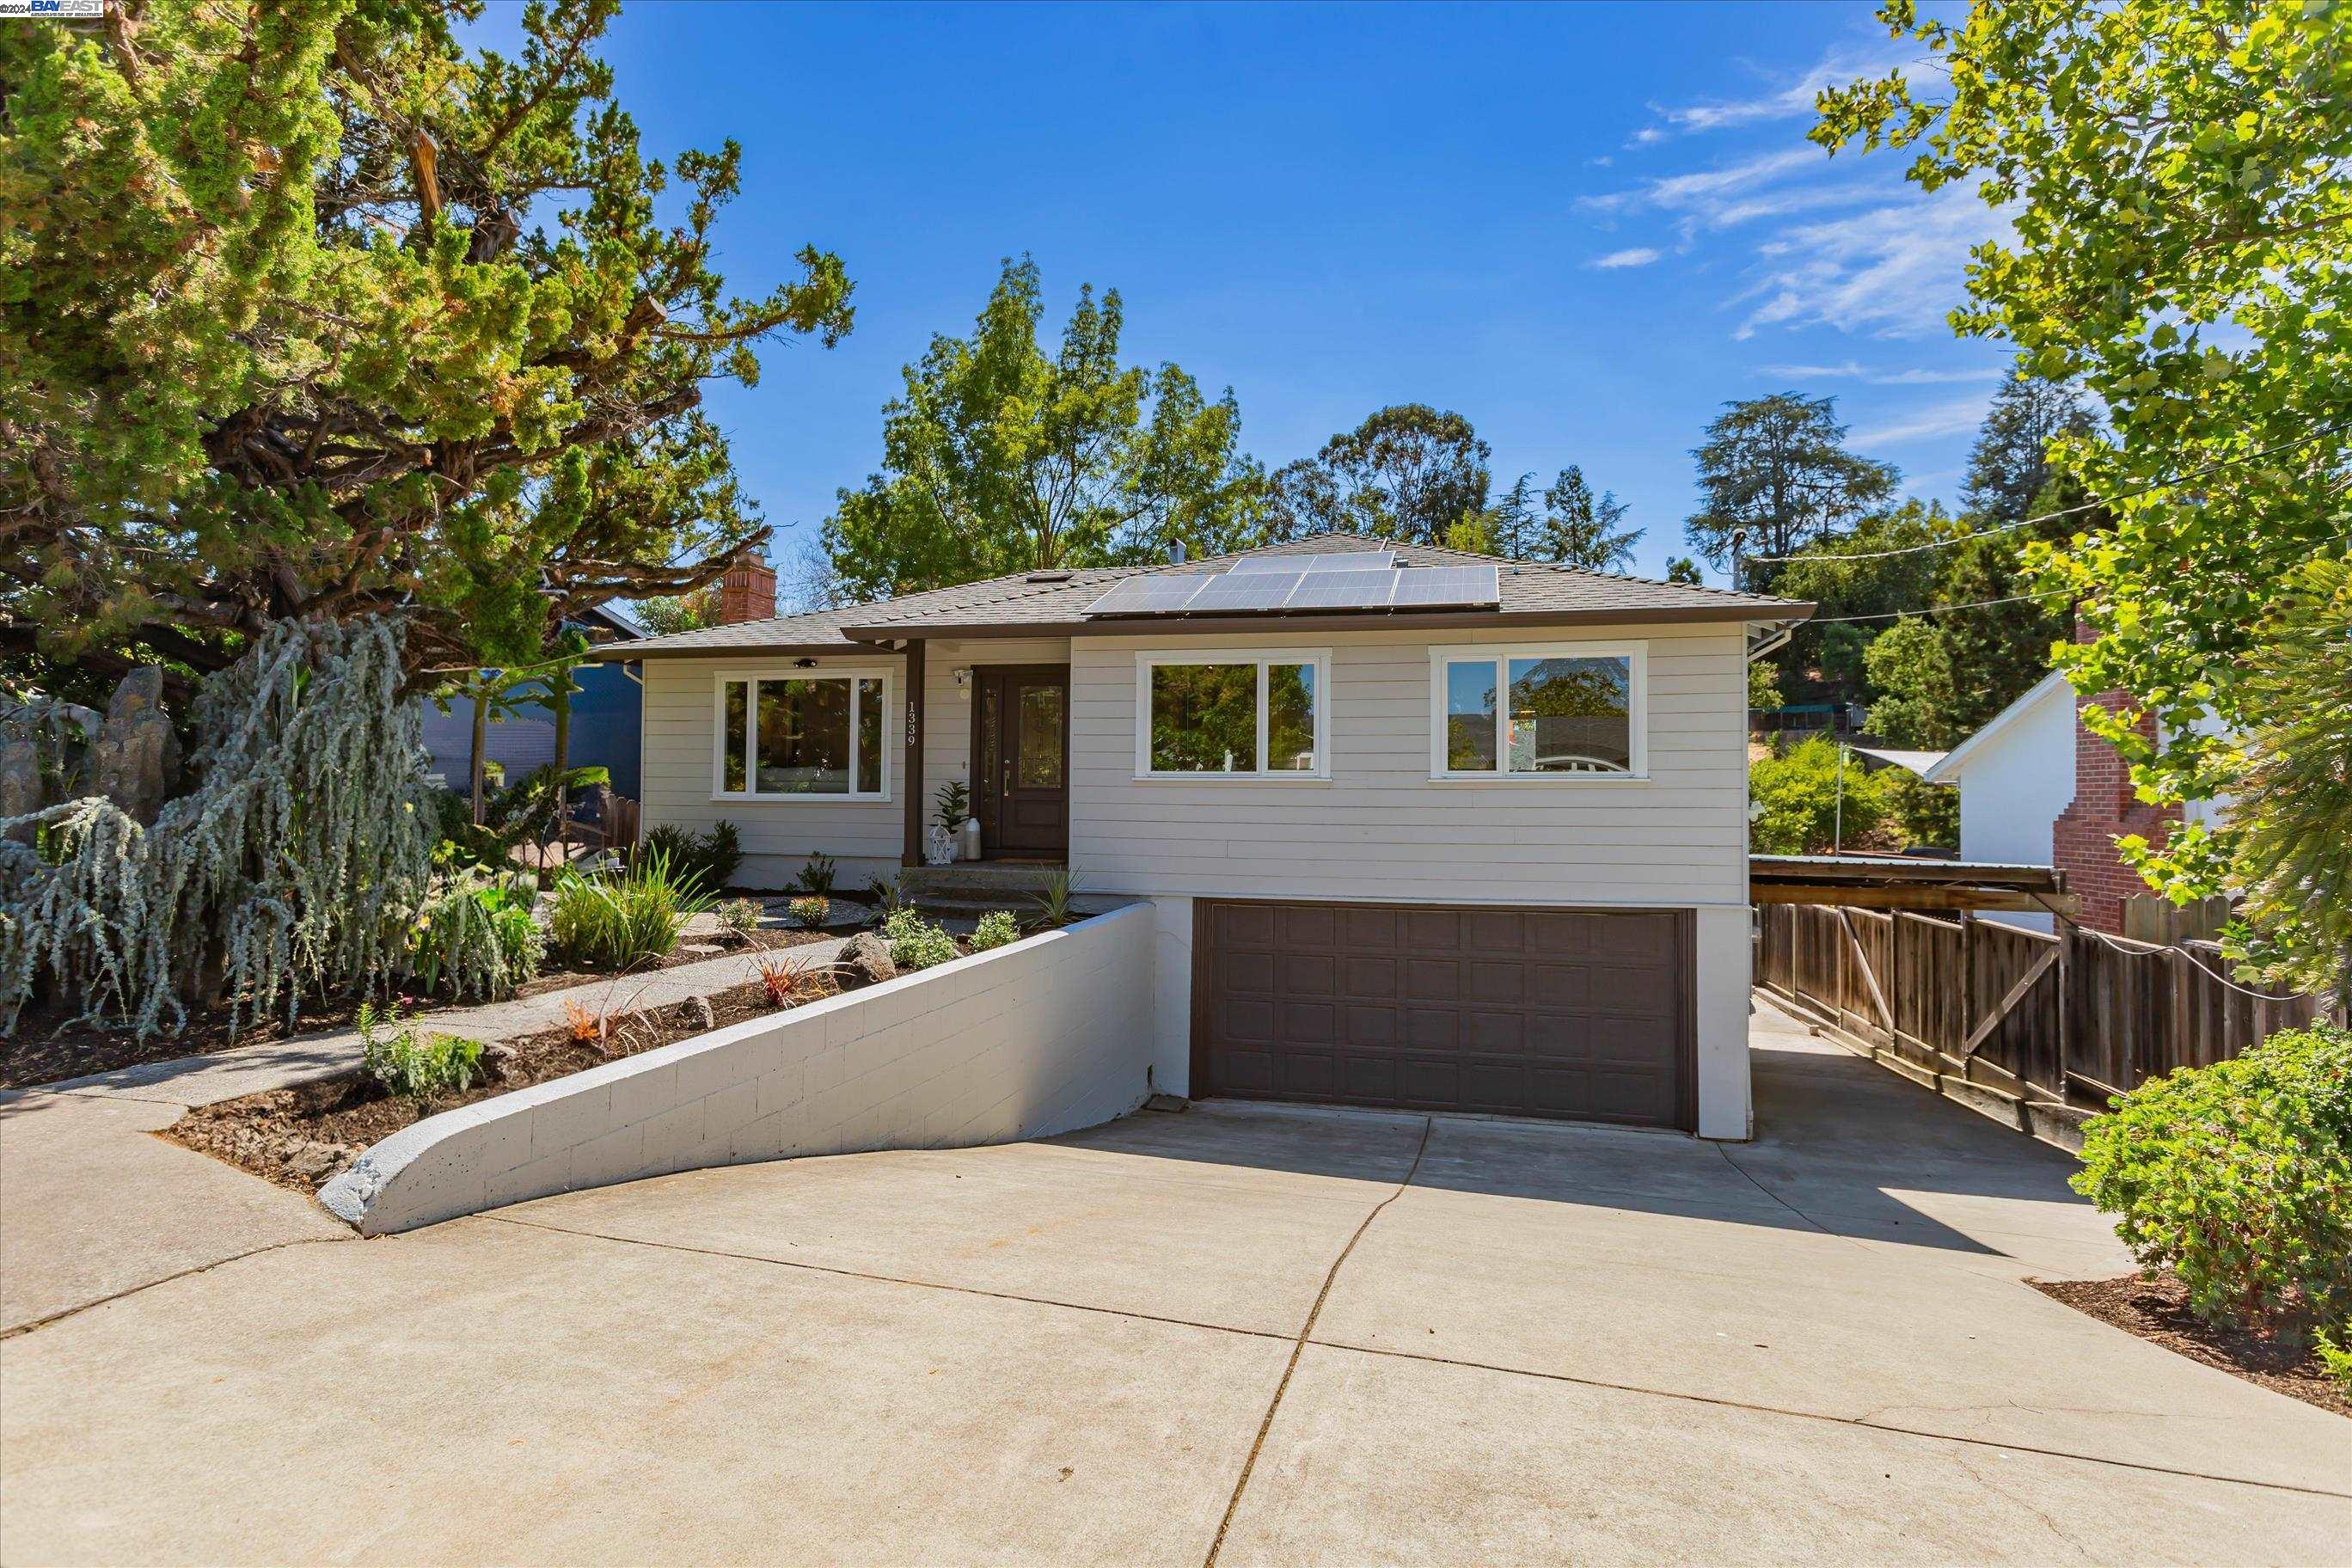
1049	1035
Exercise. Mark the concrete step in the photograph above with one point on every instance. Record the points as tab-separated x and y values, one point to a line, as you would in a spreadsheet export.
976	880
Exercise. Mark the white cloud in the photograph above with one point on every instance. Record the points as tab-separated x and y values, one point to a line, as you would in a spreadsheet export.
1602	161
1942	419
1637	256
1894	269
1649	135
1794	97
1854	370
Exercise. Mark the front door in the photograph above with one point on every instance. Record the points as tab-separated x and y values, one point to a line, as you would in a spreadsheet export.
1020	760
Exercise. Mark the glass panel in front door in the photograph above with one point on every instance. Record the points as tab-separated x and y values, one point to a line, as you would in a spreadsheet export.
1041	737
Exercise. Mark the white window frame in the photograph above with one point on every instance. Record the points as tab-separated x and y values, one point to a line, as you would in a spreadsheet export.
1637	702
1320	658
853	674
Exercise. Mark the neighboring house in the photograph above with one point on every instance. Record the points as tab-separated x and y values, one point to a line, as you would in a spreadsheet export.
2038	788
1423	829
2016	775
605	718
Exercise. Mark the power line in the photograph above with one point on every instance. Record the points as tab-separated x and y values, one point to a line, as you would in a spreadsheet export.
1939	609
2064	511
2296	549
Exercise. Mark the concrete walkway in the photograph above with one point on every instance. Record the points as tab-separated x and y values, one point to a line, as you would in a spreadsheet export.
1233	1335
92	1207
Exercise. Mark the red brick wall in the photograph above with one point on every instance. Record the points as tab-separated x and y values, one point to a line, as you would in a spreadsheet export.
2082	840
748	592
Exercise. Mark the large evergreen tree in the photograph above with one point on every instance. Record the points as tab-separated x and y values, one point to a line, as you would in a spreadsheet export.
311	310
1774	473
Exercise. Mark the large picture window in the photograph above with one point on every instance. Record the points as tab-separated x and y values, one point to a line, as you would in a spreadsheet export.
1568	710
790	737
1233	715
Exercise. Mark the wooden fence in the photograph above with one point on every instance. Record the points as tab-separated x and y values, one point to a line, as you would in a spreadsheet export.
2078	1017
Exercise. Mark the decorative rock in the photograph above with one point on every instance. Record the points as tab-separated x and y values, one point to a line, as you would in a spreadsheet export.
499	1060
136	758
697	1012
313	1161
869	956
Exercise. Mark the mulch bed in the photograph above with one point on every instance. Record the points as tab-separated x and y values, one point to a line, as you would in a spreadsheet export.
2157	1308
303	1138
43	1053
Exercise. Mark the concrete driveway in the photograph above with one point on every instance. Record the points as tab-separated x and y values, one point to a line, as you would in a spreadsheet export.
1230	1335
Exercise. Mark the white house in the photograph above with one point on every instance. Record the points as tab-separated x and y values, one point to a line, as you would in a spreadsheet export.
2015	777
1423	829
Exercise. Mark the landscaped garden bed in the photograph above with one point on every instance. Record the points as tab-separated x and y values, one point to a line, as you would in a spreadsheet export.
303	1138
42	1052
2155	1307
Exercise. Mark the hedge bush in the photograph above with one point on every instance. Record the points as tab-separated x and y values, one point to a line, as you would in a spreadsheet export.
2238	1177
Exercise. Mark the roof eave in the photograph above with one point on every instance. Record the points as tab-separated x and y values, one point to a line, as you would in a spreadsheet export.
1131	625
630	653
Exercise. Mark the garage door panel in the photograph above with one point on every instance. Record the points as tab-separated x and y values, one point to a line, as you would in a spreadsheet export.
1430	1029
1310	925
1431	930
1491	979
1247	1019
1498	1032
1566	1013
1308	974
1433	980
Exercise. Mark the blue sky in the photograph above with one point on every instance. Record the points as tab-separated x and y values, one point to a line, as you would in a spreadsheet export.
1584	227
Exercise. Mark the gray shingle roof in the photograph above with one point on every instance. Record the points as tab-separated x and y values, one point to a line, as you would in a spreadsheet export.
1037	601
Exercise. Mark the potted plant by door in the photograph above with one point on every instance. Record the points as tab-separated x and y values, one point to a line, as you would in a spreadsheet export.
941	844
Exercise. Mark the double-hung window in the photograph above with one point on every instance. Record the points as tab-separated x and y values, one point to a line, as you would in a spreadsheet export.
800	736
1570	710
1234	715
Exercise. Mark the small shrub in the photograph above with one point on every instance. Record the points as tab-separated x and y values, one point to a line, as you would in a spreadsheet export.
584	1025
2238	1177
2335	1355
708	861
915	942
886	897
619	922
741	916
477	940
411	1065
816	877
810	913
996	929
1055	905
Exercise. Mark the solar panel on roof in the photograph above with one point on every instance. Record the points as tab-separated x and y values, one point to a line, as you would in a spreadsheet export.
1158	593
1425	586
1349	561
1343	590
1245	591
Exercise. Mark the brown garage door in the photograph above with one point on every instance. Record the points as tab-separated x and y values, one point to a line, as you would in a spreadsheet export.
1569	1012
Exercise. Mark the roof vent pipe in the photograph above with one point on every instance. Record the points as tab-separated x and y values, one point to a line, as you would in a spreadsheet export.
1175	553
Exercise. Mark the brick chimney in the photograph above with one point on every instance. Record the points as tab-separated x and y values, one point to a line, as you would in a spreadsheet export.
748	591
2083	839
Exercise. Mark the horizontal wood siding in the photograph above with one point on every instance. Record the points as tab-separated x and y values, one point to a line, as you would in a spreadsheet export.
678	782
1381	828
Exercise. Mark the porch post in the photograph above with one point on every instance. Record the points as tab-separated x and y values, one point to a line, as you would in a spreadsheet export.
910	777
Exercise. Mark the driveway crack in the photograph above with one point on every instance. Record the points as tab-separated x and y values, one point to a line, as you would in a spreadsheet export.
1298	1345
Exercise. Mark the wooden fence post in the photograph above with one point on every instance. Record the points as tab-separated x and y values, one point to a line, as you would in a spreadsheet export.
2064	929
